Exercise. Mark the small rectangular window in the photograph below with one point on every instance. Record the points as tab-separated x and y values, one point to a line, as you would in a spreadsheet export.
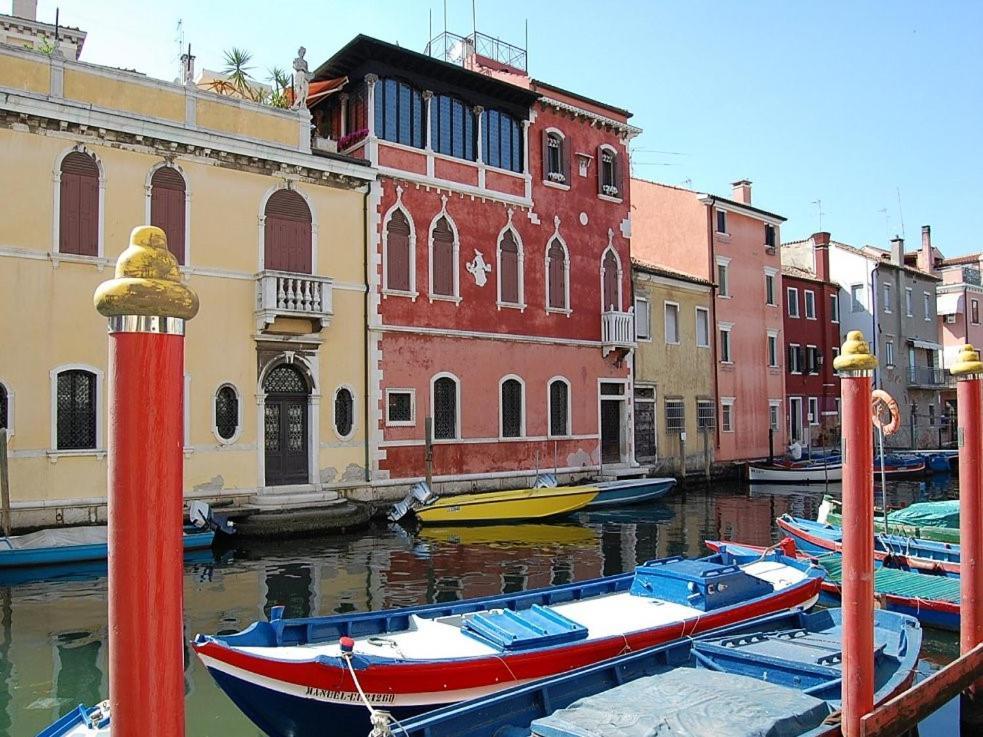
675	416
702	327
773	351
727	415
792	297
794	358
813	410
770	289
705	420
672	323
857	298
907	301
774	411
810	298
812	359
887	298
721	221
400	409
889	353
643	329
975	306
723	287
769	235
927	304
725	356
834	308
931	415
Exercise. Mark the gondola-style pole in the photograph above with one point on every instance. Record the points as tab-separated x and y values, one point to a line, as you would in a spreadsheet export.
968	371
147	307
855	366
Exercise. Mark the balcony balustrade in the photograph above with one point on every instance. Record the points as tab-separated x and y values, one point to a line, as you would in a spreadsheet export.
928	376
617	330
282	294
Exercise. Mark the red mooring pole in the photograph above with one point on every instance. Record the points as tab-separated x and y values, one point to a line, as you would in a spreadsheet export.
147	307
855	366
968	371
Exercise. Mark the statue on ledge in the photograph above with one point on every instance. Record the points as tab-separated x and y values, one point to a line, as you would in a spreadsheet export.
302	79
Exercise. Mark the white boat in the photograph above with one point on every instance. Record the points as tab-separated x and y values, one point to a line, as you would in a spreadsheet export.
798	474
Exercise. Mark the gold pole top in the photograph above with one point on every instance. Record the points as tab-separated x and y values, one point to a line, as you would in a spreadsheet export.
147	281
967	362
855	354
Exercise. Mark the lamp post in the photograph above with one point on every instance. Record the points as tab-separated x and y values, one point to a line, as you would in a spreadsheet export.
147	307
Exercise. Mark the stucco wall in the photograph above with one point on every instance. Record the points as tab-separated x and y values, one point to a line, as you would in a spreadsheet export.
669	228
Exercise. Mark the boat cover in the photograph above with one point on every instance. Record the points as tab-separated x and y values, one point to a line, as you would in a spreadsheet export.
58	537
685	702
900	583
927	514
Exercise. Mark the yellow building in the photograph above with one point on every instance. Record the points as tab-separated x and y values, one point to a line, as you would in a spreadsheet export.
674	391
272	237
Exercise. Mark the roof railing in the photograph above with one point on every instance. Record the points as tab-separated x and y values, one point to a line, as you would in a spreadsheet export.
457	49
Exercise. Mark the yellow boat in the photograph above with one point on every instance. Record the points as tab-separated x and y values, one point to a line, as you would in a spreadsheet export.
516	504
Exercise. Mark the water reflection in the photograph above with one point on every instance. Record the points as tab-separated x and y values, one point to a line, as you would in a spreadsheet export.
53	634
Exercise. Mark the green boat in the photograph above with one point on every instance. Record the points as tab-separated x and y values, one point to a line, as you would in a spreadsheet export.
938	521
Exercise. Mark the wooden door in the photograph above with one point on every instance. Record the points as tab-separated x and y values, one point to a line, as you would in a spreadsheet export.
286	439
610	431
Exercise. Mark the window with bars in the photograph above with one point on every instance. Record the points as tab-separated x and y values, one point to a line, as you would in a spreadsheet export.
344	412
608	173
76	410
501	140
555	167
4	408
445	408
511	408
645	441
705	417
226	412
452	128
398	113
559	403
675	415
399	407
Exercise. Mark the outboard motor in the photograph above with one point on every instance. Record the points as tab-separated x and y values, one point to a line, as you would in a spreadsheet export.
418	495
201	516
545	481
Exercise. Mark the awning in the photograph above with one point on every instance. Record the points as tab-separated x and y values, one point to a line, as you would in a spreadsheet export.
319	90
950	304
925	344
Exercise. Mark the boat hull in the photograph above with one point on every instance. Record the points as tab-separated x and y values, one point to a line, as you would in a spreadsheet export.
196	540
810	475
497	506
623	493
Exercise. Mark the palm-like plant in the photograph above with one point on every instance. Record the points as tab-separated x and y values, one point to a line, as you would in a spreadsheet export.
280	82
236	72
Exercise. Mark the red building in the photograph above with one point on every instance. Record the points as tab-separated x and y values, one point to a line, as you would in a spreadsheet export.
812	341
499	266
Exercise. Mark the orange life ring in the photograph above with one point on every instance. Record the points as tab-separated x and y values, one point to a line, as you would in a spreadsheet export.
881	400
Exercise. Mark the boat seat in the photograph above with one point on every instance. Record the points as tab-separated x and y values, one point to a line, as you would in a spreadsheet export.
510	630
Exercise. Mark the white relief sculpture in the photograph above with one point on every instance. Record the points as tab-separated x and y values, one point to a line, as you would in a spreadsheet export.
478	268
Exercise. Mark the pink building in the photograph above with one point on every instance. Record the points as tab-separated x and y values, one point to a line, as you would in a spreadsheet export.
500	277
735	245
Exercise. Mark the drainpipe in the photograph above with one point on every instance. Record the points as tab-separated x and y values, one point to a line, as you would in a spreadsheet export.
368	393
712	327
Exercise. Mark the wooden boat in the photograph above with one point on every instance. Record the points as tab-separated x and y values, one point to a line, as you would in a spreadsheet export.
630	491
780	674
932	600
797	473
83	721
831	511
292	676
907	552
499	506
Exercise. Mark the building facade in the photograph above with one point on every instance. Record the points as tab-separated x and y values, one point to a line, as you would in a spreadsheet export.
734	245
812	341
500	285
894	305
270	236
674	372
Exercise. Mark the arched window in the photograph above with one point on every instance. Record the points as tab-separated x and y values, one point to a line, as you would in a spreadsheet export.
399	253
4	408
556	275
501	140
512	418
76	410
167	208
609	278
608	172
556	166
443	266
398	113
559	408
226	412
445	396
509	269
287	233
452	130
344	412
78	204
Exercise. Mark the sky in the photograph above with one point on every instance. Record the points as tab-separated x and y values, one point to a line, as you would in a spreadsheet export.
864	114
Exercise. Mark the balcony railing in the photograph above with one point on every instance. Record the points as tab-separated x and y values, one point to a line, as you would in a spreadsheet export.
928	376
617	330
282	294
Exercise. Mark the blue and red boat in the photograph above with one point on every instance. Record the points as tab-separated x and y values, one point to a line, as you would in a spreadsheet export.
295	676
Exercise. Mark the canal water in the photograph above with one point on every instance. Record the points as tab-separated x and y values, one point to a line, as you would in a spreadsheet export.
54	633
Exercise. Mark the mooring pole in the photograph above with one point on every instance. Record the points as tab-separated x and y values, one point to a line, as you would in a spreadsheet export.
147	307
968	371
856	365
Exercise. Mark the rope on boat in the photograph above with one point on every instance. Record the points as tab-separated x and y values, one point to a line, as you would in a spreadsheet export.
379	719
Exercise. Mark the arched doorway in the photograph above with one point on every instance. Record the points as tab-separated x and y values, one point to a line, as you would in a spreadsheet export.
285	426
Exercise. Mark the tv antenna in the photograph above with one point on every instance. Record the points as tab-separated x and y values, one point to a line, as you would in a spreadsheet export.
819	208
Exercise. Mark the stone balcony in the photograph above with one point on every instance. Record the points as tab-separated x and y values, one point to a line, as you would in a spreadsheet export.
284	301
617	331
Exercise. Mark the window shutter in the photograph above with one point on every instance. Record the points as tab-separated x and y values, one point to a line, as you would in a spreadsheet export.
565	161
618	175
600	170
557	277
79	205
509	266
443	259
546	154
398	252
167	195
611	284
288	233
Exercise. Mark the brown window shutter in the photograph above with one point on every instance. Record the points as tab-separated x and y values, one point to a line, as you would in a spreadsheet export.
618	174
600	170
509	265
79	205
557	276
611	283
443	259
398	252
288	233
546	154
565	160
167	195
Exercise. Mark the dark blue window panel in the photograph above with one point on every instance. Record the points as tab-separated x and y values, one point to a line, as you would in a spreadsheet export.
398	113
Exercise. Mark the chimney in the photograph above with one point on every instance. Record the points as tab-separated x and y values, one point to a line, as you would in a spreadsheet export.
897	250
25	9
926	262
820	244
742	191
